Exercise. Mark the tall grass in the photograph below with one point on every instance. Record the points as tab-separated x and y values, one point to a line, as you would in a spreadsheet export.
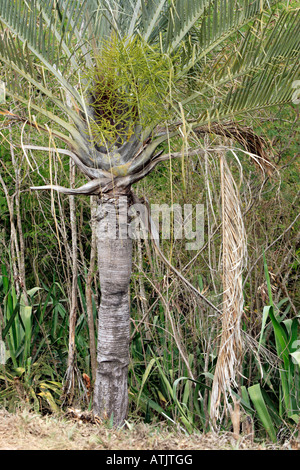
282	389
36	339
35	336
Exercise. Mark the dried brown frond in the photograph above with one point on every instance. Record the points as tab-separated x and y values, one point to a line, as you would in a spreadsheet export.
246	137
234	256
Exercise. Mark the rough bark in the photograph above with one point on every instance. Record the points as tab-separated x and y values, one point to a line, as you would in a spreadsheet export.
115	264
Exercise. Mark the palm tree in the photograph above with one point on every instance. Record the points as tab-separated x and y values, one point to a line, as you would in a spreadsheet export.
121	81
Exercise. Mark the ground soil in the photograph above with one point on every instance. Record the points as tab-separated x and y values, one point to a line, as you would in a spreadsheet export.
25	430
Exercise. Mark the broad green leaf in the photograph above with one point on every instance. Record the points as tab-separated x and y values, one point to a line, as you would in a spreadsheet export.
296	356
262	411
33	291
263	324
145	377
49	398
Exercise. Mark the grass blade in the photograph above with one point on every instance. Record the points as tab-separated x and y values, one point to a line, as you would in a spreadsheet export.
260	406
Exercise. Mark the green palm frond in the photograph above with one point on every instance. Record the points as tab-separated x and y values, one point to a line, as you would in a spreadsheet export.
151	11
221	20
98	24
226	57
182	16
46	31
258	73
164	20
18	60
259	49
17	93
272	86
43	22
120	16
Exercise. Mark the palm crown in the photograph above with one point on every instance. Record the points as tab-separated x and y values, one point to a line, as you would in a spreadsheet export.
135	72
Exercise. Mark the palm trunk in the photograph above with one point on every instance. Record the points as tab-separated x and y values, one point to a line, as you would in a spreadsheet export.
115	261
